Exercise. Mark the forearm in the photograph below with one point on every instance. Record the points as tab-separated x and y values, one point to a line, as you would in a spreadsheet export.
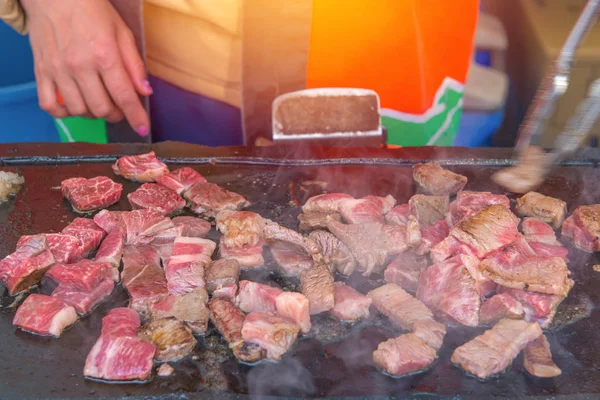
13	14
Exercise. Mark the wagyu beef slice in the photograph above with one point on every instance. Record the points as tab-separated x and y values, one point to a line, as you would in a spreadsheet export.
583	228
122	322
87	231
189	257
180	179
257	297
142	226
468	203
246	256
350	305
537	359
435	180
548	209
156	197
273	333
111	251
192	226
498	307
140	168
44	315
404	355
221	273
85	301
91	194
209	199
431	235
290	258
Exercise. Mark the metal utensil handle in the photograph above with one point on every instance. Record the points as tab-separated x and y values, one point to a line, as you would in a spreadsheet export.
556	82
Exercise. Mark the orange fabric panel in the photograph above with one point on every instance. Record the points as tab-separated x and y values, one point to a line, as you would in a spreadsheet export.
403	49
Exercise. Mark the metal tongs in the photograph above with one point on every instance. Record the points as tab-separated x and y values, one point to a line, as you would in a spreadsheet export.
577	128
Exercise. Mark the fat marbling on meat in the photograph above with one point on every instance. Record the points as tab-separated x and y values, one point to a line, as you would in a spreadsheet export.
272	332
87	195
189	258
111	251
209	199
246	256
44	315
180	180
85	229
140	168
548	209
64	247
156	197
435	180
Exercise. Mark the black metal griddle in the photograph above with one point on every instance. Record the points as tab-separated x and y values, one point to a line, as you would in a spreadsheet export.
334	360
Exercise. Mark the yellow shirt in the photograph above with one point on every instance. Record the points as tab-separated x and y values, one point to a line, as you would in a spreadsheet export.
196	45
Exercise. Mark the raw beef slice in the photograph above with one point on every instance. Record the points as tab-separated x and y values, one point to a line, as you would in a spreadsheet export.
180	179
44	315
156	197
91	194
140	168
209	199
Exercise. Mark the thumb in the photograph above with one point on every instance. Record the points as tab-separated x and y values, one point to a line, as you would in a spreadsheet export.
134	65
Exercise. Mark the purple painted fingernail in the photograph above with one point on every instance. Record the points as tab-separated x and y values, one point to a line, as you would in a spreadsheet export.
147	87
142	130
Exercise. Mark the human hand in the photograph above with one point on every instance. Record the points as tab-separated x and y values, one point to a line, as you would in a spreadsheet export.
84	50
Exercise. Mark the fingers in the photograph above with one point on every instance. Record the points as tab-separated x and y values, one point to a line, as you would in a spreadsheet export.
133	63
47	97
97	99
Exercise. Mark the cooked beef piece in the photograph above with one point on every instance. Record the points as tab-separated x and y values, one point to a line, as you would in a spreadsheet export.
111	251
290	258
538	230
83	275
398	305
398	215
428	209
246	256
405	270
432	235
404	355
190	308
498	307
435	180
491	353
156	197
222	273
257	297
140	168
118	354
548	275
240	228
226	292
10	184
450	291
413	232
431	331
370	243
209	199
229	320
87	195
317	286
142	226
189	258
180	179
538	307
537	359
87	231
192	226
165	370
295	307
173	338
25	267
468	203
527	175
583	228
85	301
512	254
548	209
350	305
143	278
549	250
448	248
272	332
325	203
44	315
335	253
366	210
164	251
64	247
274	232
316	220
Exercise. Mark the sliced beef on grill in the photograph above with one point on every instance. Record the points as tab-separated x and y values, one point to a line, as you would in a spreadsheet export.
405	270
583	228
240	228
118	354
44	315
222	273
413	232
295	307
398	215
450	291
317	286
246	256
316	220
111	251
435	180
190	308
173	338
87	195
335	253
25	267
498	307
229	320
542	239
548	209
350	305
140	168
84	275
209	199
192	226
538	307
432	235
143	277
180	179
431	331
370	244
85	229
65	248
537	359
404	355
85	301
189	258
142	226
325	203
491	353
272	332
366	210
428	209
156	197
257	297
290	258
399	306
468	203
